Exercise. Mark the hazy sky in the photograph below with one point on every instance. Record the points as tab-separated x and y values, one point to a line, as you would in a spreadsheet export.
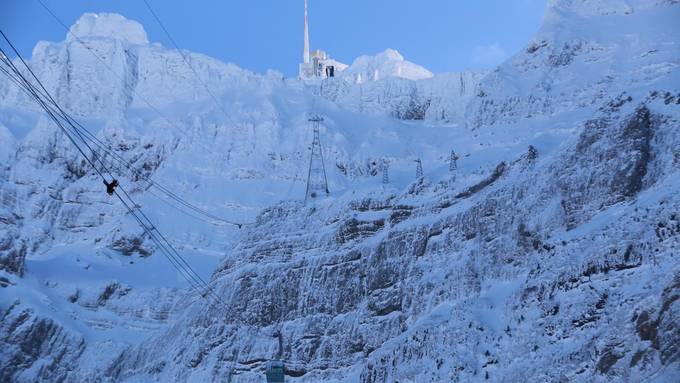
441	35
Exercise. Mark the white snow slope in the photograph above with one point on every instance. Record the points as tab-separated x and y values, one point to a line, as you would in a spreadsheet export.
550	254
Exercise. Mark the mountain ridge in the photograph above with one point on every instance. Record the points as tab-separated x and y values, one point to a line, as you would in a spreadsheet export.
548	254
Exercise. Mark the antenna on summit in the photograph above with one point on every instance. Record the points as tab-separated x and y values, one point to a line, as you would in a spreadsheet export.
305	53
316	64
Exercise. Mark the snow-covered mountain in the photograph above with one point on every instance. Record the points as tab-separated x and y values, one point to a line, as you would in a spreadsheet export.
389	63
549	254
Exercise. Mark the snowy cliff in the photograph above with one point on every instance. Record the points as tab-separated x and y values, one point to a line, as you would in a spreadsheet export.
550	254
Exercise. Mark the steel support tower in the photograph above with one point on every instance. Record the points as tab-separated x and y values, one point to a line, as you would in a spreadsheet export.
419	168
317	183
385	172
453	162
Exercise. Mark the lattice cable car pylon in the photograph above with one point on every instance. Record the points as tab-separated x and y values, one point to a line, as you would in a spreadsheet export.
317	182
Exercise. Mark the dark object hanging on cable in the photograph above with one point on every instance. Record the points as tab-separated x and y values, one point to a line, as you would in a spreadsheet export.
70	129
111	186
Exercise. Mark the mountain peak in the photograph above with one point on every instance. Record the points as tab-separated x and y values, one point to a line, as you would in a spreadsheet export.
390	54
110	26
588	8
388	63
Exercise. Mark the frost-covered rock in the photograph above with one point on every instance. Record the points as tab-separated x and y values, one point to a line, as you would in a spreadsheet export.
548	255
442	98
108	26
584	52
389	63
35	347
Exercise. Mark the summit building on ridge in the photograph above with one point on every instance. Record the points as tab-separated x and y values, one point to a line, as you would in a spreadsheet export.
317	64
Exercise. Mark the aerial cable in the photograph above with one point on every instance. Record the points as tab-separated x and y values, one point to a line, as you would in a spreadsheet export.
34	93
130	167
164	189
186	60
43	104
298	168
170	252
118	76
51	100
215	220
194	282
194	216
175	263
46	93
80	130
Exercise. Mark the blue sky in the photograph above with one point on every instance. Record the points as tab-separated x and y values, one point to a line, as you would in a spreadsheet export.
441	35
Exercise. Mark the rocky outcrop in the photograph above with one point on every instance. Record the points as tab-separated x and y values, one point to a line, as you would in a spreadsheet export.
36	348
442	98
12	248
451	290
556	263
617	154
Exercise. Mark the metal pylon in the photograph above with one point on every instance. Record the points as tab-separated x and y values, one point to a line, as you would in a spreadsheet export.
317	183
419	168
453	162
385	172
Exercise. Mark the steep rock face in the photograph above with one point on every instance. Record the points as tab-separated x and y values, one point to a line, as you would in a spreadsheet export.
621	154
12	249
124	73
79	335
443	97
260	140
53	186
87	255
552	263
580	55
458	285
35	347
449	94
585	8
540	271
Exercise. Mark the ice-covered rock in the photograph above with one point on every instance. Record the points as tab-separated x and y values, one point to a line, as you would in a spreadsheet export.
586	8
108	26
548	255
389	63
584	52
442	98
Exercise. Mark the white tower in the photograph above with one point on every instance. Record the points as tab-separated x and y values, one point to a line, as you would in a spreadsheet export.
305	54
316	64
306	67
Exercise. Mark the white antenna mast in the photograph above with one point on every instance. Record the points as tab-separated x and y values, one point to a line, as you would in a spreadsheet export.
306	51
